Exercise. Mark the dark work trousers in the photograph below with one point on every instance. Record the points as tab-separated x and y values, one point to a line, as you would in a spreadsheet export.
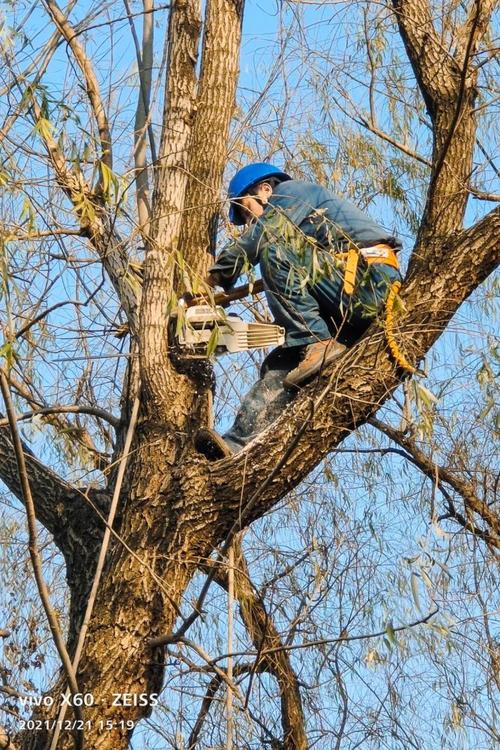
266	399
305	294
304	290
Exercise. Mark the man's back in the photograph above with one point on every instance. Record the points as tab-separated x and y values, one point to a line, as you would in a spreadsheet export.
327	217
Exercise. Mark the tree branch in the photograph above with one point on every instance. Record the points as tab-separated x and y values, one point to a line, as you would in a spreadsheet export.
208	152
265	637
448	82
343	637
60	423
435	472
168	204
93	411
49	489
40	65
51	492
91	84
95	224
208	699
35	553
6	741
26	327
437	71
142	117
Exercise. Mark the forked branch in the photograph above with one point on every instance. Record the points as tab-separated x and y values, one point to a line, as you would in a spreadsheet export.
275	658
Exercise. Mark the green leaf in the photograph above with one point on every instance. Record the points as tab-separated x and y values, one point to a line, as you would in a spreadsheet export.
8	353
427	579
414	590
213	341
110	182
27	212
425	395
391	635
45	128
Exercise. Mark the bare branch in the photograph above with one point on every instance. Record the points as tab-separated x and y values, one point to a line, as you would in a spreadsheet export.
91	83
343	637
480	195
265	638
369	125
35	554
208	699
142	117
444	474
60	423
43	234
44	314
200	651
94	411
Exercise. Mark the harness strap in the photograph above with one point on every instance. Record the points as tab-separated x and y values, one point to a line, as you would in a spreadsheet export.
351	266
380	253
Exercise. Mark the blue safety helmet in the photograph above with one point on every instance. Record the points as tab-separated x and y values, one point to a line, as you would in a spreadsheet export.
245	178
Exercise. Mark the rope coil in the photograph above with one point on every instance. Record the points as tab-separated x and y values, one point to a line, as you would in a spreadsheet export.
396	352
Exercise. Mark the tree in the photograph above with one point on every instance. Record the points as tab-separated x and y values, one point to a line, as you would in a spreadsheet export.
178	513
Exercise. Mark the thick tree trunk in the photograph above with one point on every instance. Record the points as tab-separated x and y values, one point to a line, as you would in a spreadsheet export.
163	533
208	155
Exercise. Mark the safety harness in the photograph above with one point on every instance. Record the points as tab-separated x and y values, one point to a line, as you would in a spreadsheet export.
380	253
385	254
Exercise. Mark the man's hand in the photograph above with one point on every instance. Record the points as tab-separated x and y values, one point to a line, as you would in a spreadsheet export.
212	280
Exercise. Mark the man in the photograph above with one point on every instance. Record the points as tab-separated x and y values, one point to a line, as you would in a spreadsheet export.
327	268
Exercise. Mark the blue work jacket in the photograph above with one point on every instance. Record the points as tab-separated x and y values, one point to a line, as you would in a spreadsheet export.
332	222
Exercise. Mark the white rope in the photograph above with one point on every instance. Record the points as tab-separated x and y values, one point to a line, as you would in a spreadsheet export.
230	626
100	563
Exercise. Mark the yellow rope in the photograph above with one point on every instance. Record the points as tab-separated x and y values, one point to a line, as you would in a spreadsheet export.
389	325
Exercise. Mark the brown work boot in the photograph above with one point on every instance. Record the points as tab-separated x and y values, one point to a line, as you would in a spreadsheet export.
316	356
212	445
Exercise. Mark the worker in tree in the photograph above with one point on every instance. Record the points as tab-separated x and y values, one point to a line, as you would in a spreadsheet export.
327	268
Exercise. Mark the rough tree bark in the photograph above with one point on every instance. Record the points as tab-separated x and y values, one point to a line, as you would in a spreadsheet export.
176	508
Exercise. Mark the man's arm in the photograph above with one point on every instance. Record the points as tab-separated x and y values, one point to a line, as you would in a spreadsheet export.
236	254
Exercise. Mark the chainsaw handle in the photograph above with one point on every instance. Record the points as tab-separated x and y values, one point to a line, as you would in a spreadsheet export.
223	299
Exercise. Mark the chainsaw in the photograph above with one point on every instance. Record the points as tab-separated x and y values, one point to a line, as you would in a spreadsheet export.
204	329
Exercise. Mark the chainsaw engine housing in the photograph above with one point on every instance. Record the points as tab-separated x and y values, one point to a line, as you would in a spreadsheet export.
206	328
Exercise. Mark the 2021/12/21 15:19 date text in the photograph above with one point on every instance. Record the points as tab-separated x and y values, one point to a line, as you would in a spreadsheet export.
75	725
